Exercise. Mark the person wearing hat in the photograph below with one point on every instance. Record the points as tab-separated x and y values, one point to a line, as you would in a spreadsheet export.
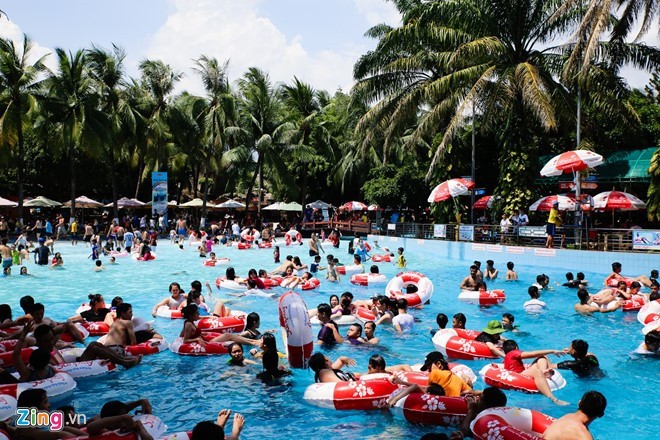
554	220
491	336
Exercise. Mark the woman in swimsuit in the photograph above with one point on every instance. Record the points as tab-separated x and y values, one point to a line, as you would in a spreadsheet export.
192	334
327	371
173	301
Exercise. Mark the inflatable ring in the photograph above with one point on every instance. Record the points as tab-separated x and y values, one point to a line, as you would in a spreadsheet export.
495	375
368	279
365	314
383	258
57	385
96	328
274	281
310	284
398	284
296	329
152	346
351	269
265	245
649	312
510	424
153	425
613	280
243	245
460	344
196	349
249	238
67	337
224	283
370	394
166	312
342	320
7	353
216	262
86	368
152	256
482	297
428	409
633	304
235	323
118	254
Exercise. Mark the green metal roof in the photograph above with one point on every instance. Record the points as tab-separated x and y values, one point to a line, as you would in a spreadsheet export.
622	166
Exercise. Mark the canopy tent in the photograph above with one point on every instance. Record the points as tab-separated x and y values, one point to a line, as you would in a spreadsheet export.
319	204
42	202
281	206
5	202
85	203
125	202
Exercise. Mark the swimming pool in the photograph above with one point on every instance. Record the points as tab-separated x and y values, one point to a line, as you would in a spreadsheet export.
185	390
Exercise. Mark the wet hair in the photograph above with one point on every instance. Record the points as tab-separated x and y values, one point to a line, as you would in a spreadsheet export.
442	320
474	267
477	263
370	322
324	309
377	362
460	318
348	295
31	398
95	298
540	278
593	404
113	408
435	389
652	338
509	345
41	332
509	265
317	258
289	257
39	358
252	318
333	296
357	258
196	285
509	316
534	292
123	308
252	284
490	262
232	345
5	312
374	269
400	249
635	285
581	347
262	273
569	276
189	311
616	266
175	284
580	276
359	327
492	397
98	263
583	295
207	430
654	274
654	296
402	303
316	363
26	303
269	341
296	261
38	307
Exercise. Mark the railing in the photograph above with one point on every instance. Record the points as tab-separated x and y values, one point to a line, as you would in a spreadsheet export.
342	225
569	236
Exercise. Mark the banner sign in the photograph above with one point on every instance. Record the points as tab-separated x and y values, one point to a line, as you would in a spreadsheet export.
440	231
466	233
159	194
646	239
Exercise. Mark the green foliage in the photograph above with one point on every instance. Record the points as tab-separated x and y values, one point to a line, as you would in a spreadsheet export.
394	186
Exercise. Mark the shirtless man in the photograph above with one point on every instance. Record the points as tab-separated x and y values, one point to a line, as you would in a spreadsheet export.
472	281
575	426
5	252
584	306
616	274
281	270
181	228
37	314
121	332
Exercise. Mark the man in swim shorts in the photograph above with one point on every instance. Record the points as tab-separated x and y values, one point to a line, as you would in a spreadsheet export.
121	332
5	252
575	426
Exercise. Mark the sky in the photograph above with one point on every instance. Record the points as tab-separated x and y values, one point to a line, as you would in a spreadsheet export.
317	41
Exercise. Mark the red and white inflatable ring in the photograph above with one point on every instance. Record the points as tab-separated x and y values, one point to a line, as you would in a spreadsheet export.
460	344
510	424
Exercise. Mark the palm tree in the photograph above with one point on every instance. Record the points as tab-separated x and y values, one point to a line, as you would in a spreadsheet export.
72	103
107	69
19	86
307	133
218	114
453	60
261	119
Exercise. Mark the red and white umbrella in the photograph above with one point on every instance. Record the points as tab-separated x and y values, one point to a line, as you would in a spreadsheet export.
373	207
484	203
354	206
618	201
450	188
545	203
570	162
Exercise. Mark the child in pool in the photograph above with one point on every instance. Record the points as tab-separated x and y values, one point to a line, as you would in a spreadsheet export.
270	359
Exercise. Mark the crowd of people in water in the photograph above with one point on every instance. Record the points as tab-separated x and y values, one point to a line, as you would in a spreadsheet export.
48	340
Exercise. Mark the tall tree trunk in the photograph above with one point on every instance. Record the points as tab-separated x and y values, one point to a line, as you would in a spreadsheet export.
261	187
139	178
304	186
195	182
254	179
113	180
20	173
72	171
205	190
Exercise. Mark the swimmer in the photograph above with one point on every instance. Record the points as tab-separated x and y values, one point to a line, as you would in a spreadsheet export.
237	356
332	275
471	281
354	335
329	333
584	364
534	305
192	334
442	321
369	333
99	266
176	299
585	307
458	321
328	371
401	260
576	425
207	429
491	272
616	274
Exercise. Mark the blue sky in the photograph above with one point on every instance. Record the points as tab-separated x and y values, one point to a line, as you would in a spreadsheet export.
316	40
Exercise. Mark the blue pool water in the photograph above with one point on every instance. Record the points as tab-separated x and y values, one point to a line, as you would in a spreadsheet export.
184	390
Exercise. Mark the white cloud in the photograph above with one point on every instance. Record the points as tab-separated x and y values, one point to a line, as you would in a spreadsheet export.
378	11
227	29
11	31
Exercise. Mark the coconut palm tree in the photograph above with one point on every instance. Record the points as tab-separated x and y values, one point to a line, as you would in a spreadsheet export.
72	106
19	86
453	60
107	69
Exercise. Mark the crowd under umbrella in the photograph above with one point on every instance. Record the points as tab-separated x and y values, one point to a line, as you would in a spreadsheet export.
566	203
